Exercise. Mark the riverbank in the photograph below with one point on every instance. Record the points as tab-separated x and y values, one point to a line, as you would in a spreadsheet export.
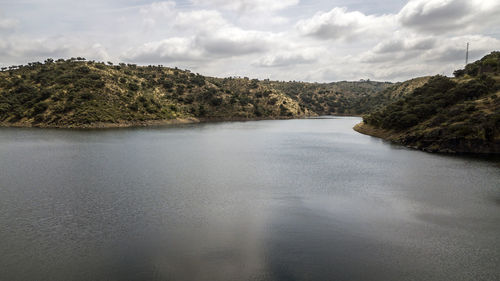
432	143
105	125
366	129
145	123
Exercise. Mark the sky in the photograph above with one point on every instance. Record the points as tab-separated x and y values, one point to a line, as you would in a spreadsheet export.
301	40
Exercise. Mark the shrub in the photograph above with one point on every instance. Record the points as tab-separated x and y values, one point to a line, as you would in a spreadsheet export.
168	84
87	95
407	121
39	108
216	101
83	69
133	106
133	86
4	108
198	80
459	73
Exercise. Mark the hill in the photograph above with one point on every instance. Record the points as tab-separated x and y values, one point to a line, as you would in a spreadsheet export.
460	114
80	93
339	98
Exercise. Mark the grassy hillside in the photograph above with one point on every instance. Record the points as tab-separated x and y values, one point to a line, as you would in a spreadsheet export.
80	93
460	114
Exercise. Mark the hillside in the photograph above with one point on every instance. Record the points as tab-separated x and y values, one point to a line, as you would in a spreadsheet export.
339	98
80	93
460	114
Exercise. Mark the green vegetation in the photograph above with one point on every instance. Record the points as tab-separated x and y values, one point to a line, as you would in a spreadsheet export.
459	114
339	98
80	93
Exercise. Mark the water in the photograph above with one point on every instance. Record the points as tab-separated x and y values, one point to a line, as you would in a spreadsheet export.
267	200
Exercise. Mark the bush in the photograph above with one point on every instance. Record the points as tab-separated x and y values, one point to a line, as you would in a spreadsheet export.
40	108
198	80
407	121
4	108
133	86
459	73
216	101
83	70
134	106
87	95
168	84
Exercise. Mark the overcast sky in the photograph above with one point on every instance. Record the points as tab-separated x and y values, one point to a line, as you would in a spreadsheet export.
324	40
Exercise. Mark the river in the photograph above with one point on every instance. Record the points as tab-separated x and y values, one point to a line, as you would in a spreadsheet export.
260	200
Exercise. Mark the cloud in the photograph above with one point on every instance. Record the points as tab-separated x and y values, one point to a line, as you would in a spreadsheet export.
440	16
25	49
205	34
453	49
341	24
199	20
157	11
404	56
248	5
175	49
405	44
402	47
290	58
7	24
200	47
285	40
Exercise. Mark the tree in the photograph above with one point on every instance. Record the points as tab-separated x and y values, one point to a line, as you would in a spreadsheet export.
133	86
459	73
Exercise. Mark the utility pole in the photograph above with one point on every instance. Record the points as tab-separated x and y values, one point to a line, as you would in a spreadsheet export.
467	54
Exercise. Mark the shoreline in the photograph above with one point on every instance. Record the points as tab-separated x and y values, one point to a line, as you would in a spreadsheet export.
439	147
368	130
147	123
105	125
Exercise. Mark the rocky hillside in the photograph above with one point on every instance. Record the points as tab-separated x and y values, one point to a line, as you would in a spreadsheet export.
80	93
460	114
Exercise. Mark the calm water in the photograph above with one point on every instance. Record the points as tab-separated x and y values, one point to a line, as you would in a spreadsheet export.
267	200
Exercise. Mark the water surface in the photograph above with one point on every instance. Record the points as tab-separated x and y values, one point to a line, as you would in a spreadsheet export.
266	200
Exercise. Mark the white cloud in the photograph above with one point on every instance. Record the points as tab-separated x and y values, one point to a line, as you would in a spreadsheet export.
200	47
285	40
7	24
157	11
293	57
403	56
439	16
449	50
205	34
175	49
14	48
342	24
199	20
248	5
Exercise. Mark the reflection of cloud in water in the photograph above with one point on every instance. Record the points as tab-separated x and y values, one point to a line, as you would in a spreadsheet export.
228	249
